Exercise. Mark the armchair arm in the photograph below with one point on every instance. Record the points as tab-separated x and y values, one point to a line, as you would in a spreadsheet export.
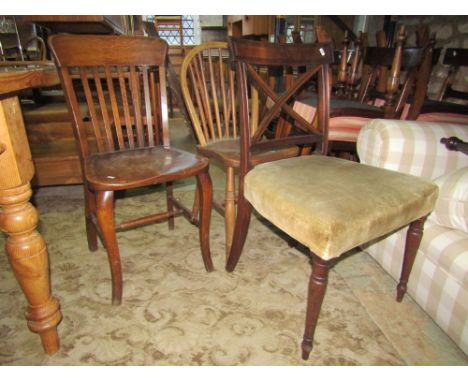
453	143
411	147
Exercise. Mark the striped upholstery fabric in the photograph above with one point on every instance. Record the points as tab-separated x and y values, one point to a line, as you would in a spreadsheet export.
452	205
443	117
439	280
344	128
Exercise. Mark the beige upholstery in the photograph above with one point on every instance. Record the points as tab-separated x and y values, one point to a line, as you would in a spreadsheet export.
332	205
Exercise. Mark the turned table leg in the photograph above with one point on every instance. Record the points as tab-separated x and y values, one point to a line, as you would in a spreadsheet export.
29	260
25	247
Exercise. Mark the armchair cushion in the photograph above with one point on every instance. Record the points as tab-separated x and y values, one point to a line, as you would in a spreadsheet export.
452	205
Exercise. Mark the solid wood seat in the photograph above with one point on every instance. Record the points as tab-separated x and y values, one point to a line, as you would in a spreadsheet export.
329	205
123	135
228	152
208	88
117	170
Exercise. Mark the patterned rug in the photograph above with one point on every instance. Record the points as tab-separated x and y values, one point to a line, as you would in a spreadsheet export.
173	312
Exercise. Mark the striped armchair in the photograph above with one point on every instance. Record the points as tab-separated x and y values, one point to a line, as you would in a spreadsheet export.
439	280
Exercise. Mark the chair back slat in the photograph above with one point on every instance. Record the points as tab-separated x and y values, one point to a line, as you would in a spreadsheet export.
115	108
251	59
123	84
208	87
124	89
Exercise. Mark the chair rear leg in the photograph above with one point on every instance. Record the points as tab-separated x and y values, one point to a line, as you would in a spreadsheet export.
170	204
413	239
317	286
90	211
196	207
229	208
106	221
205	191
244	211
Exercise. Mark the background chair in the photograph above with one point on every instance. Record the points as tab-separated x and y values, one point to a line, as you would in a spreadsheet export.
393	85
208	86
329	205
451	104
124	136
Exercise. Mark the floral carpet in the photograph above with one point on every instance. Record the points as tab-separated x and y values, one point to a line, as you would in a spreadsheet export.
173	311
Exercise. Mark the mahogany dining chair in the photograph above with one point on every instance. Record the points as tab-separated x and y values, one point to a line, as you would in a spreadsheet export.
123	137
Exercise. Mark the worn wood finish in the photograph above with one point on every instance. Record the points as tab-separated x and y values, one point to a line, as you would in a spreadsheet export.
25	246
208	86
317	57
123	134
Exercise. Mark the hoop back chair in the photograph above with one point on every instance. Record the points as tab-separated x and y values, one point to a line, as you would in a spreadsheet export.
123	138
329	205
209	89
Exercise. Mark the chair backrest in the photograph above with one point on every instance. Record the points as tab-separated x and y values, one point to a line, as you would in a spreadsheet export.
122	82
250	59
456	58
350	60
208	88
407	72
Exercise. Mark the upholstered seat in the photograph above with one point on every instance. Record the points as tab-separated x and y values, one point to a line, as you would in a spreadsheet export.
327	204
332	205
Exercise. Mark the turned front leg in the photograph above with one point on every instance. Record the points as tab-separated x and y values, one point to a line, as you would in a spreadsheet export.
413	240
317	286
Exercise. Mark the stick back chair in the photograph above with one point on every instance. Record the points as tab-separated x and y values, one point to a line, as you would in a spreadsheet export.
122	81
329	205
208	86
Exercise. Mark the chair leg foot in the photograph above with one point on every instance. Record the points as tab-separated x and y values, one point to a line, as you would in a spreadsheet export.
317	287
306	349
413	240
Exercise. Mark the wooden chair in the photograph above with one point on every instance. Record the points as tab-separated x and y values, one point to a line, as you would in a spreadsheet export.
451	105
406	72
349	61
328	204
122	80
208	88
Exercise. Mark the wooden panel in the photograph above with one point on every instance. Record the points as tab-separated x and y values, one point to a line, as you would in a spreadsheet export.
249	25
92	24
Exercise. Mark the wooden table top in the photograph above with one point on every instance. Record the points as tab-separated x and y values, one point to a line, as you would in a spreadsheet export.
20	75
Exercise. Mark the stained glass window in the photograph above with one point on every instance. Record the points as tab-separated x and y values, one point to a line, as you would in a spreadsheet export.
176	30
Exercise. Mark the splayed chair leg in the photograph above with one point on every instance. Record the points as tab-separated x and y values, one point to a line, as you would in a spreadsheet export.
205	192
105	215
317	287
413	240
244	211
